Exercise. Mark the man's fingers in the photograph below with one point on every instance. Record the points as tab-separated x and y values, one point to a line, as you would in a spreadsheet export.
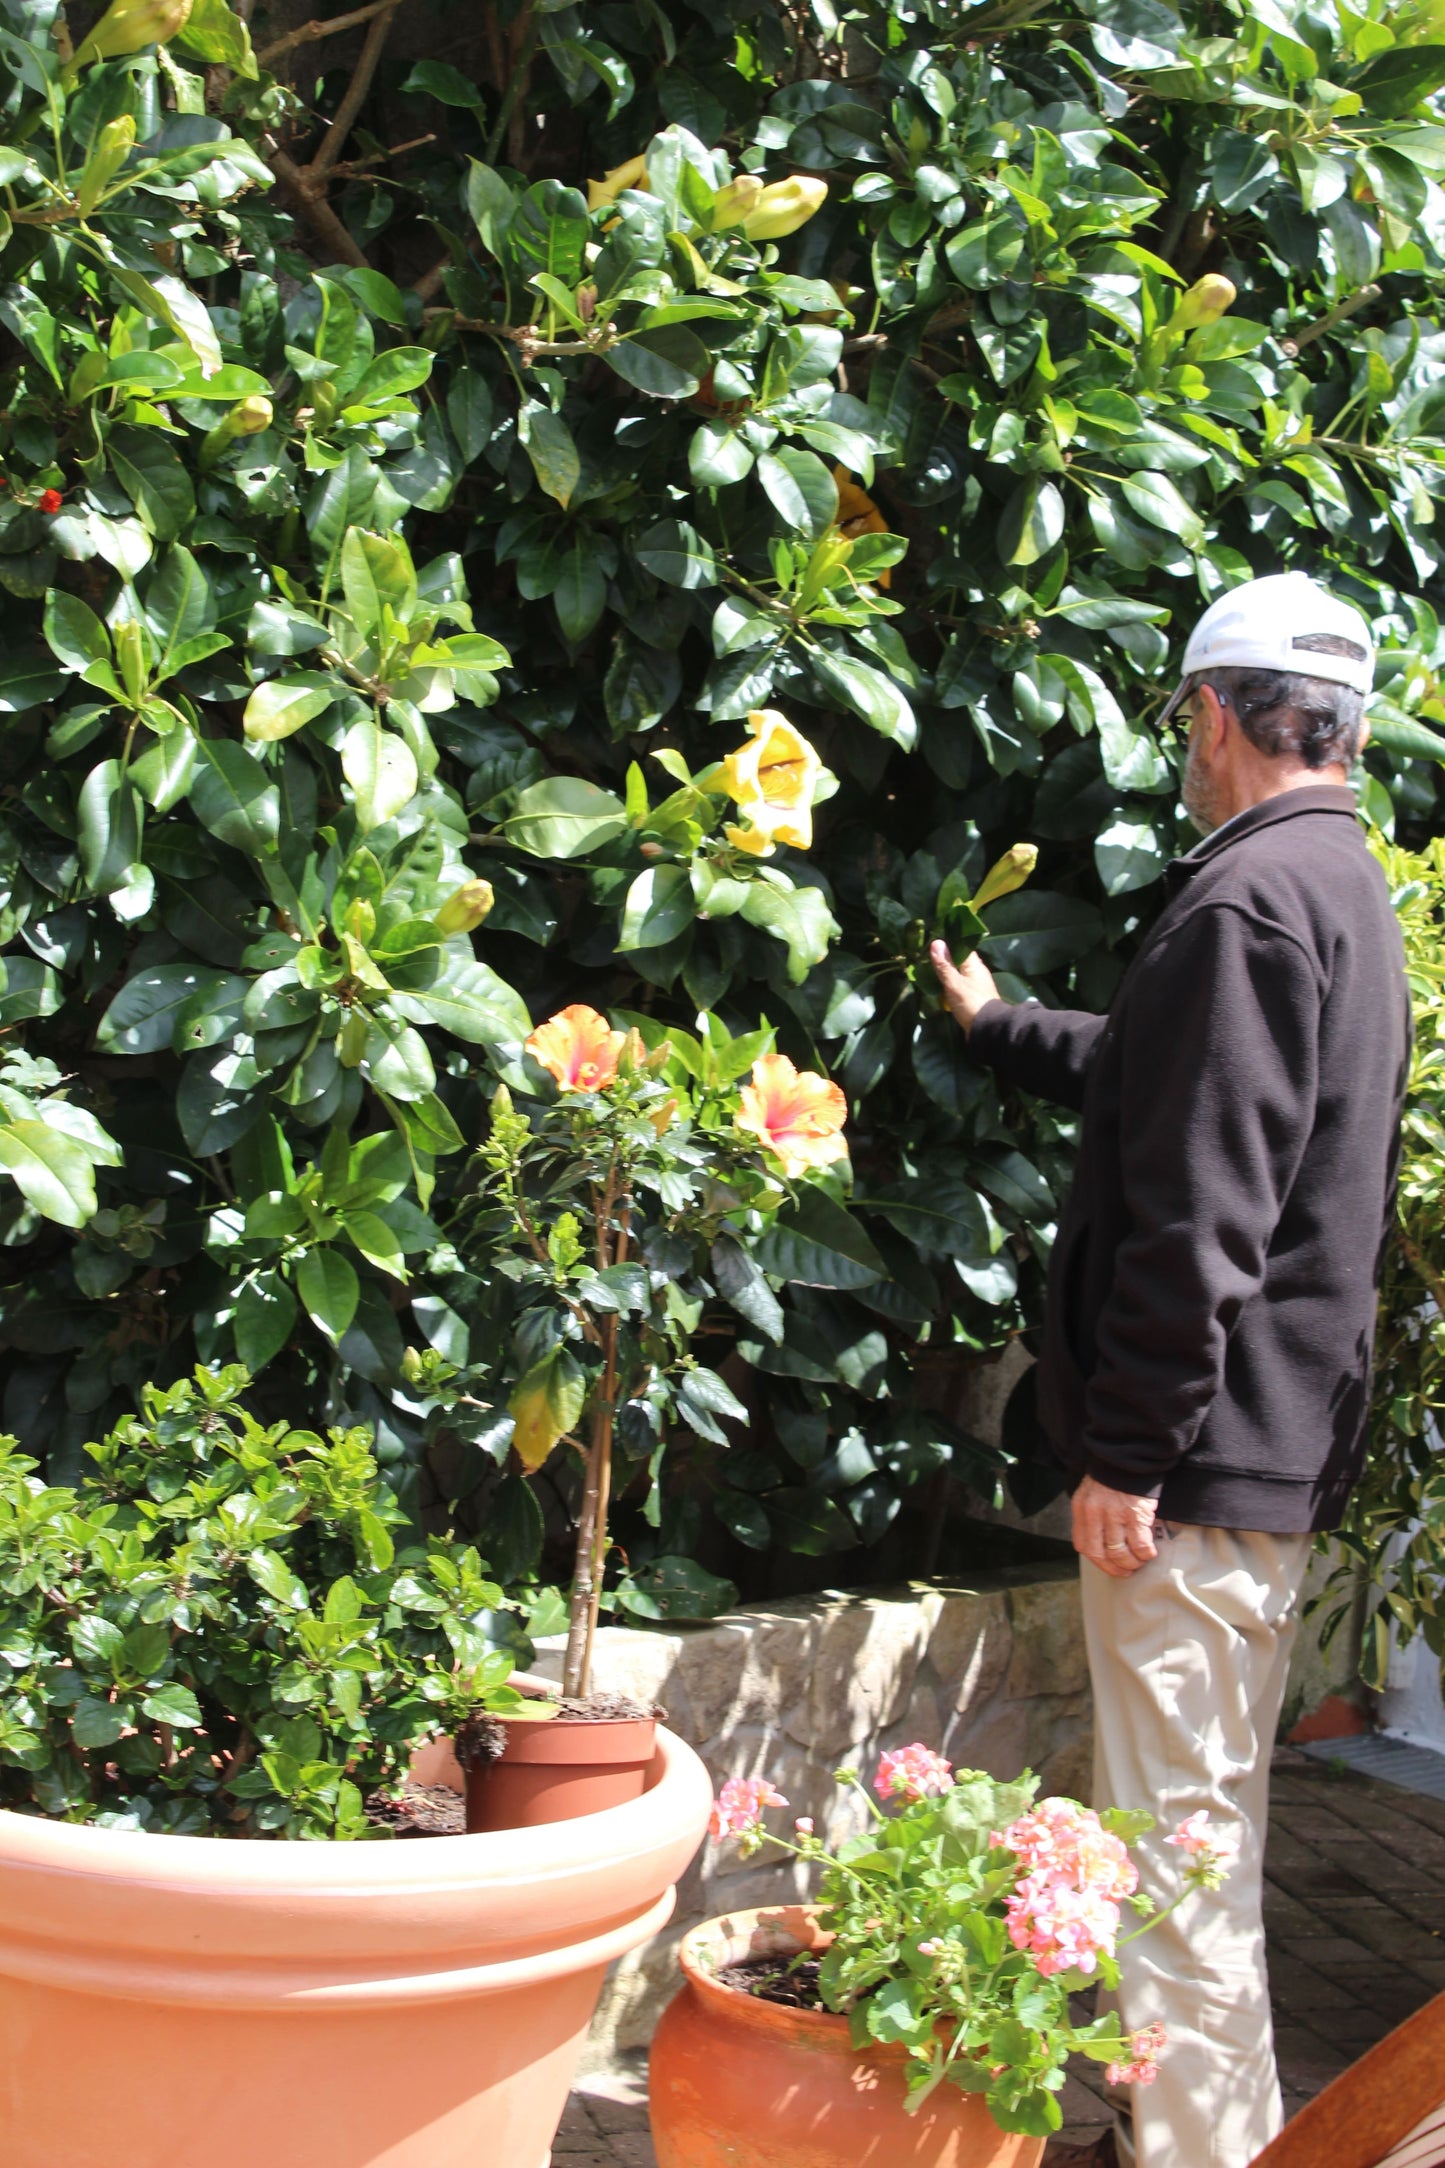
1139	1534
1097	1537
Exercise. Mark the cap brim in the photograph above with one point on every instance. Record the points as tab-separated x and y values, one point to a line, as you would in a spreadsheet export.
1174	703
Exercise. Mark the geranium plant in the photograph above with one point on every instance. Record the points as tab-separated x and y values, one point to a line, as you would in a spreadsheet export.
214	1632
630	1180
960	1923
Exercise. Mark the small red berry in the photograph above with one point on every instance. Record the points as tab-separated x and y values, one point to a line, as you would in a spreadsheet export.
51	500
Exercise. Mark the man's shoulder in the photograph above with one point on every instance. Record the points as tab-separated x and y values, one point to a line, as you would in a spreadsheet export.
1315	870
1308	886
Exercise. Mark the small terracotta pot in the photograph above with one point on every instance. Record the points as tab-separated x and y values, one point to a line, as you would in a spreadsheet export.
741	2083
565	1766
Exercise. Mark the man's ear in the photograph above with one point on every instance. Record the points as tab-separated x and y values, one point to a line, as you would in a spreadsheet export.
1215	717
1364	735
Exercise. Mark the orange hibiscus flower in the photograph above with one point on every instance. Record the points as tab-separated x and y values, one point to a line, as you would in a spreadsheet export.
859	515
798	1118
579	1047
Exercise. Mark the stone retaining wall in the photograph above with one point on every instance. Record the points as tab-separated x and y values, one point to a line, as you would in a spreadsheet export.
990	1673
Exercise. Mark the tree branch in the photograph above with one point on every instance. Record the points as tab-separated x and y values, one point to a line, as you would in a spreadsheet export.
356	90
429	285
309	32
315	210
1337	315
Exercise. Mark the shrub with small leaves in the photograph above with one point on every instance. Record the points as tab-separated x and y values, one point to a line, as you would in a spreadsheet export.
215	1634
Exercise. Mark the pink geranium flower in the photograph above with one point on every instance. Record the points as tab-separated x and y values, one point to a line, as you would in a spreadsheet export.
1142	2067
1064	1910
1208	1854
913	1772
739	1806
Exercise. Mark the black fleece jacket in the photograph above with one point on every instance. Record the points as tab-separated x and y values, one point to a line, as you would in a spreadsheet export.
1212	1288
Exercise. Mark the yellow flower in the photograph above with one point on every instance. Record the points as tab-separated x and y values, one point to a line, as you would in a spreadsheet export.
798	1118
1006	874
632	175
772	780
579	1047
731	205
784	206
127	26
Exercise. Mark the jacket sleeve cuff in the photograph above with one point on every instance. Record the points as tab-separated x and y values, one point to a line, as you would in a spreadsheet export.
1120	1479
990	1030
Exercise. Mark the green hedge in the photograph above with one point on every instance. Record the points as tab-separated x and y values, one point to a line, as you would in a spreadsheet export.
408	524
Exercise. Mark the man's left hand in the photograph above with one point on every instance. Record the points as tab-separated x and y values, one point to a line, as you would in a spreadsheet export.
1113	1528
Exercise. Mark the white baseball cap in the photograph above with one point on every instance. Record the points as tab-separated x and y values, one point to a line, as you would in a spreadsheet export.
1282	622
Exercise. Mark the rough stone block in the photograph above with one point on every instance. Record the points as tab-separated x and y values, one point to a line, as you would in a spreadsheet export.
868	1652
1048	1655
970	1645
996	1740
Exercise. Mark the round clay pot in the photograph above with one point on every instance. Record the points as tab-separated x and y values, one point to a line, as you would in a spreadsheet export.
565	1766
741	2083
171	2000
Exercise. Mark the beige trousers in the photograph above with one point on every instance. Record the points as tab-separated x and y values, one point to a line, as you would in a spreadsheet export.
1188	1658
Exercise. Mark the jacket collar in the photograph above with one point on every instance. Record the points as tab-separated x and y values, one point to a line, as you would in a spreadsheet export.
1288	805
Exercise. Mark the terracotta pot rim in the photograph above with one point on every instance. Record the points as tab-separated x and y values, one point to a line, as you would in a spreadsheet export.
578	1742
177	1920
139	1858
785	1929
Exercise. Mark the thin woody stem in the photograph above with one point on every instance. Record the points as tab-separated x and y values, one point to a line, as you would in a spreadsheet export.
591	1553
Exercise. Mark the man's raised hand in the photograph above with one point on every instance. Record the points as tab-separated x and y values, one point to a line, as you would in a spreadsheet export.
967	987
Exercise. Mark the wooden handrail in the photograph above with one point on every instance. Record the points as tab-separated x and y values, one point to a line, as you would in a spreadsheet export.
1358	2120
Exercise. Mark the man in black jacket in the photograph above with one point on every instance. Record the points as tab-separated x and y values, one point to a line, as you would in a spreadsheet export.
1205	1371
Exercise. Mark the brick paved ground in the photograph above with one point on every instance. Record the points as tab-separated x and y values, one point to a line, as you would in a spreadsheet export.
1355	1912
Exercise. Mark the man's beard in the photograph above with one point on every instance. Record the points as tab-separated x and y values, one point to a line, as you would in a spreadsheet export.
1201	794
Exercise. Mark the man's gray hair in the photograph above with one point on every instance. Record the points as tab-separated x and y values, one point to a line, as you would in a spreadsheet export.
1282	711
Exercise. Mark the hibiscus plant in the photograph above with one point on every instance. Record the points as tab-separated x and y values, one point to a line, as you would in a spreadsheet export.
634	1183
959	1925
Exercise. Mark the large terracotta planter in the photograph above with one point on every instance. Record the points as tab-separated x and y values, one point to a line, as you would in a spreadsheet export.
739	2083
168	2002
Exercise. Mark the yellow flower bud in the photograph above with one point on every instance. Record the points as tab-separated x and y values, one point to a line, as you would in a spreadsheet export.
113	146
130	652
631	175
1009	872
466	907
248	417
731	205
127	26
784	206
1204	302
